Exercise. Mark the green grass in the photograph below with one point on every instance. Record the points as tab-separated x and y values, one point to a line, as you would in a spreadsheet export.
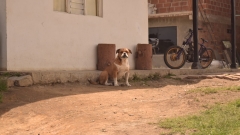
211	90
219	120
9	74
150	77
169	76
153	77
135	77
3	87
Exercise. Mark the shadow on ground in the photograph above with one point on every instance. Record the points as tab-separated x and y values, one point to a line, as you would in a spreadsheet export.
20	96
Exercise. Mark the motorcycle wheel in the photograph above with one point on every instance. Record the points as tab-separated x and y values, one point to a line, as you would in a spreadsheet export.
206	58
171	58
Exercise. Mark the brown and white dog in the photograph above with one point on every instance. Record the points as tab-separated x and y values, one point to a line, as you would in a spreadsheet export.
119	68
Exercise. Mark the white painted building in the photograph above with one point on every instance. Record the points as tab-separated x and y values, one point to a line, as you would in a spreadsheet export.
53	35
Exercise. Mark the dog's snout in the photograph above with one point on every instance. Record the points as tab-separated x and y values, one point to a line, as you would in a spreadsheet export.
124	55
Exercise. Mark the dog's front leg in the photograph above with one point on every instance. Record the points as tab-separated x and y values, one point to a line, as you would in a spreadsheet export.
115	81
126	78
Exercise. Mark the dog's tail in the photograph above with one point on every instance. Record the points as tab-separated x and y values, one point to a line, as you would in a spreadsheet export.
93	82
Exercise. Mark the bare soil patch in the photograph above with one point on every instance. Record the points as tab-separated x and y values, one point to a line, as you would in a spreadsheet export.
84	109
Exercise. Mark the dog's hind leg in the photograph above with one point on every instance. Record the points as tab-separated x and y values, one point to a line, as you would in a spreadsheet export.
103	78
107	83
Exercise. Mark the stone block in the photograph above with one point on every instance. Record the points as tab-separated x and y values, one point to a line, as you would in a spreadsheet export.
11	80
90	74
36	76
23	81
61	77
74	77
48	77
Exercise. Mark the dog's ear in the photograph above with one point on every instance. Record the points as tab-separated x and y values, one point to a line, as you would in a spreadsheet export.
117	51
130	51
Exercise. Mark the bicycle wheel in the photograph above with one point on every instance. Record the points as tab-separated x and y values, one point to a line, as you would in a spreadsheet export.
174	60
206	58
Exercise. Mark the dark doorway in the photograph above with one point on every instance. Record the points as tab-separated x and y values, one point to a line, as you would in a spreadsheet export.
167	37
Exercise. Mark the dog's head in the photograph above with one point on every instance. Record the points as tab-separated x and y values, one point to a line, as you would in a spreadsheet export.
123	52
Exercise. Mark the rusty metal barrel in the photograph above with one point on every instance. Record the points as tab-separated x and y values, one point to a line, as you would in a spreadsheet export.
144	57
105	55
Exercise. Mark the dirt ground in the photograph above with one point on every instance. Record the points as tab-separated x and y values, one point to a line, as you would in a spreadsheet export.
84	109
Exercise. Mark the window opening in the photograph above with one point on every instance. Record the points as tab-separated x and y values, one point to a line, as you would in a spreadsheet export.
81	7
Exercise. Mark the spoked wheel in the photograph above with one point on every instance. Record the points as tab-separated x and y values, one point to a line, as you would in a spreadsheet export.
174	57
206	58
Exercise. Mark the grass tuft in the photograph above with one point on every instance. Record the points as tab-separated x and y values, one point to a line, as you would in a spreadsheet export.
9	74
212	90
150	77
3	87
135	77
219	120
155	76
169	76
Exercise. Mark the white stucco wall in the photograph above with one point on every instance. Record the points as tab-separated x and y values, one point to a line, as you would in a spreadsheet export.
42	39
3	36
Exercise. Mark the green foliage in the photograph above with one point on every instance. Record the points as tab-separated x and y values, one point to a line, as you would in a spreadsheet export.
219	120
9	74
135	77
3	87
155	76
150	77
169	75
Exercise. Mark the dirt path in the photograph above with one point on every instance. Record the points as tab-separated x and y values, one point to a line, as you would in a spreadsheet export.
83	109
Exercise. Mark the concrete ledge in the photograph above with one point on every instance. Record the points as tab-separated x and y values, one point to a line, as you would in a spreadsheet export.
171	14
47	77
